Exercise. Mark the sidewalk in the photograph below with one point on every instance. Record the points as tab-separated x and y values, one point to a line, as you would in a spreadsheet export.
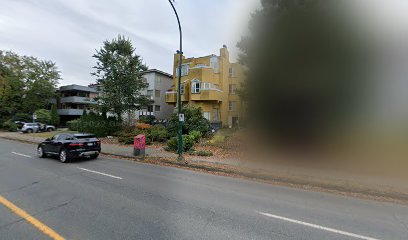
322	180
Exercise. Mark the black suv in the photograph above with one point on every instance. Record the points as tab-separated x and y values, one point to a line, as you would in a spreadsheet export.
67	146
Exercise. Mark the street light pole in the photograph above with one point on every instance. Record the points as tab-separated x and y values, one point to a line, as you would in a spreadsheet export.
180	125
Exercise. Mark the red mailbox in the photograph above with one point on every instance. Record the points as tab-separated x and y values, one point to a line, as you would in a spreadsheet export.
139	145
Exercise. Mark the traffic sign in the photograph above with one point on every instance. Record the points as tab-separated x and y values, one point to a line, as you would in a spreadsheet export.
181	117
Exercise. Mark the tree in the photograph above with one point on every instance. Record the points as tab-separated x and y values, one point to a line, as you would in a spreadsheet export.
119	76
26	83
55	119
194	121
43	116
305	70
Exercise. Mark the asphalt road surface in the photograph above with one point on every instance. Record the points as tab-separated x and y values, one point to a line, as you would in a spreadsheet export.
116	199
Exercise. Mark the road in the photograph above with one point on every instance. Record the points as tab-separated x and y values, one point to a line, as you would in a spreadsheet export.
117	199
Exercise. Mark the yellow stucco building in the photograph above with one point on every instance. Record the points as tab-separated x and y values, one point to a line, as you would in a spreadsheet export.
210	82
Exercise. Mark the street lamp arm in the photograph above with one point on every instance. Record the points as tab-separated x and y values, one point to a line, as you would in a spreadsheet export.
179	24
180	125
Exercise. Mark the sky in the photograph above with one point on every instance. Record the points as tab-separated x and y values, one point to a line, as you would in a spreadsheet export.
68	32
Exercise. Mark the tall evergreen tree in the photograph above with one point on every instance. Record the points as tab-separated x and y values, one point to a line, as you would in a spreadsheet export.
55	119
119	76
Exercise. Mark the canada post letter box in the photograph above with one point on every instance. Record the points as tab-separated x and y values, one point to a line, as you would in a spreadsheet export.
139	145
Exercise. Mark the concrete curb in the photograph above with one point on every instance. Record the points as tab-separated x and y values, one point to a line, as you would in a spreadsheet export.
350	190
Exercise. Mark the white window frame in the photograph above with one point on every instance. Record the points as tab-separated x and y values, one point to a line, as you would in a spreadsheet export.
194	88
215	64
206	86
184	70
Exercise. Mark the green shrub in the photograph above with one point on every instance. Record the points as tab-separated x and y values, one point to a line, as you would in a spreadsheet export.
127	135
195	135
201	153
99	125
157	134
43	116
10	126
172	144
24	117
126	139
73	125
147	119
194	121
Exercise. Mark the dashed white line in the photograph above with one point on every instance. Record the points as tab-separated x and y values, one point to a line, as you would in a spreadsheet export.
104	174
20	154
318	227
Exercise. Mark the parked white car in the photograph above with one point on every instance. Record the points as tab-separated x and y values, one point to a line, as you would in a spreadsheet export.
37	127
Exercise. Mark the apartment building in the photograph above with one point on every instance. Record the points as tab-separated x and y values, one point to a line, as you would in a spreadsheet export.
159	82
210	82
73	99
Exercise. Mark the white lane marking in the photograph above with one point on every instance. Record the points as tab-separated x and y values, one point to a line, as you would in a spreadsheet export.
20	154
104	174
318	227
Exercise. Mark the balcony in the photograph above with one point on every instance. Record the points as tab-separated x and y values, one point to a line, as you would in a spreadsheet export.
75	99
171	97
207	95
70	112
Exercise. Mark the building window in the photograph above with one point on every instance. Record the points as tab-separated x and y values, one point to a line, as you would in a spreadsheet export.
231	72
157	108
215	115
184	70
232	106
207	115
216	86
150	108
195	86
214	62
158	81
157	93
149	93
207	86
182	88
232	88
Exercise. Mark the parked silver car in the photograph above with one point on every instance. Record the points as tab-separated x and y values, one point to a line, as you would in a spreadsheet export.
36	127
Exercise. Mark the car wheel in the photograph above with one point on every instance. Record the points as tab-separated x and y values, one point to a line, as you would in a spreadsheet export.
49	129
40	152
30	130
63	156
94	156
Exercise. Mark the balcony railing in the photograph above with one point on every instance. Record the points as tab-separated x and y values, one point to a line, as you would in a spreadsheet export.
76	99
207	95
70	112
171	97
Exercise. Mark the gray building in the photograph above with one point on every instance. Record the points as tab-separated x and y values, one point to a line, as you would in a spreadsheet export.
159	83
73	99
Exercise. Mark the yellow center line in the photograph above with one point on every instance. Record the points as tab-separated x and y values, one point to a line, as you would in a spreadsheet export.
30	219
